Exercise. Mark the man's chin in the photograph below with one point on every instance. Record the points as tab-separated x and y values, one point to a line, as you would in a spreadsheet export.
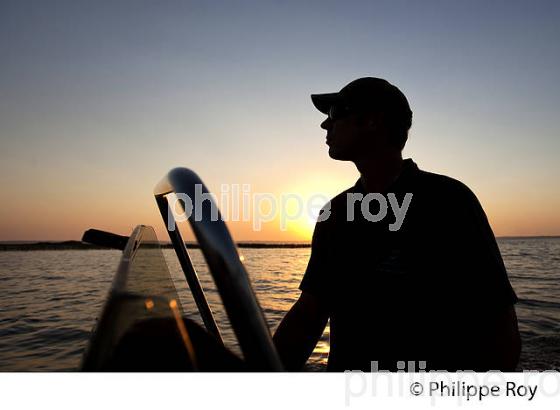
334	154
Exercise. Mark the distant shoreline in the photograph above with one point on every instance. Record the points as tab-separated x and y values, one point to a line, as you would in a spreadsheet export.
78	245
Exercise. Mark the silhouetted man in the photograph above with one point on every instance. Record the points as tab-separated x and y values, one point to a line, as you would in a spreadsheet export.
433	289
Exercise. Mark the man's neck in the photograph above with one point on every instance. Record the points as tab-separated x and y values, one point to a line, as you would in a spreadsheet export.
378	174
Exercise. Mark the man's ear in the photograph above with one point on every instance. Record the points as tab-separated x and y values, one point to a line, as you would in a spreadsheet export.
374	120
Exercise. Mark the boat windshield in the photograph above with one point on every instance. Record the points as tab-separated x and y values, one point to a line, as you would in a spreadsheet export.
142	317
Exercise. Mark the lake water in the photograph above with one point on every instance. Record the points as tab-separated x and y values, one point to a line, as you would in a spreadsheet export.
49	300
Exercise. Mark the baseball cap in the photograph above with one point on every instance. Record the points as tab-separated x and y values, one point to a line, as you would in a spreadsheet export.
367	93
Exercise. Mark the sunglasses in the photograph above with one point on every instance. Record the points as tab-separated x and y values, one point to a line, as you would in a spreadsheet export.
338	111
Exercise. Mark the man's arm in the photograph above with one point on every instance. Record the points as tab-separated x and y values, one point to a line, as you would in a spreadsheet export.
300	330
503	345
497	343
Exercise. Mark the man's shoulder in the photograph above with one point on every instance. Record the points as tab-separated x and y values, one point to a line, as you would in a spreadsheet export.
441	181
333	210
447	197
422	181
338	203
430	191
440	184
341	197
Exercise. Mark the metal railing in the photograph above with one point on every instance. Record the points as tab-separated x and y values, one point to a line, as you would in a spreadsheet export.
229	274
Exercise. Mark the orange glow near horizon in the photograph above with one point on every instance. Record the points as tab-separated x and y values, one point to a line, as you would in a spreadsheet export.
64	211
56	219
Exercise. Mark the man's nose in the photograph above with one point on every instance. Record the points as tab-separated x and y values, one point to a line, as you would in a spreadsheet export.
327	124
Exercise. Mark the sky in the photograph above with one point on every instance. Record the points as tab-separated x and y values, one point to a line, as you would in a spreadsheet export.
99	100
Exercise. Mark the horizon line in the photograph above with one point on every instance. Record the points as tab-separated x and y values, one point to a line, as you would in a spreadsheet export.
242	241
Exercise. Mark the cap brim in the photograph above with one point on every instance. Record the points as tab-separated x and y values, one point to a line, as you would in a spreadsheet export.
324	102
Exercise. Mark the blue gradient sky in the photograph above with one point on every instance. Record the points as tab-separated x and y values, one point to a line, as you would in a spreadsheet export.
98	100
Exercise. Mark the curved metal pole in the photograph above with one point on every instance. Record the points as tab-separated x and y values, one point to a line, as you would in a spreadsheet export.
229	274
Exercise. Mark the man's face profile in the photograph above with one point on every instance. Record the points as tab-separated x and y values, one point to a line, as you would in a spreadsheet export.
354	136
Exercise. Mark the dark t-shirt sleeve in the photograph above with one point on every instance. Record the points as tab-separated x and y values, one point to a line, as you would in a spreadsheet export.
315	279
483	278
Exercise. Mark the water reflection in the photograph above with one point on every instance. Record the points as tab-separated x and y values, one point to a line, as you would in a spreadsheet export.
50	299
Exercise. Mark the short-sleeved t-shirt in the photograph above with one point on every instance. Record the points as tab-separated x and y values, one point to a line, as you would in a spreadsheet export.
425	292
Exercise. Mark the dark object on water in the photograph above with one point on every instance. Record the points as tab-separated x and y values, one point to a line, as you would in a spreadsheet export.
106	239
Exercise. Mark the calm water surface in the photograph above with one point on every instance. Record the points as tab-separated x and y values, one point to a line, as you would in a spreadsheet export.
49	300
